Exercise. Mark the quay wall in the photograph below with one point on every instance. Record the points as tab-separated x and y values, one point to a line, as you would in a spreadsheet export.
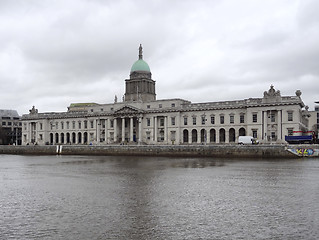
226	151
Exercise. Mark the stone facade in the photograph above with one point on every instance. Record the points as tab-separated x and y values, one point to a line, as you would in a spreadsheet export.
140	118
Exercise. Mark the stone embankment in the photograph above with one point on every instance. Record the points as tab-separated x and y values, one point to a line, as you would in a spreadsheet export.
226	151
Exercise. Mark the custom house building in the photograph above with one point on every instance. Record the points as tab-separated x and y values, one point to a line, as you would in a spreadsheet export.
142	119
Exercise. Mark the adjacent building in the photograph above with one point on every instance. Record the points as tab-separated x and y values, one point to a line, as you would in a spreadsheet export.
139	118
10	127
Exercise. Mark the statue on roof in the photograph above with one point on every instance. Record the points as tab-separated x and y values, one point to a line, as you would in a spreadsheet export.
140	52
33	110
272	92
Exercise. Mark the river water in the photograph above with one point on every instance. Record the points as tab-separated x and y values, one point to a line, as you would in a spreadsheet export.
105	197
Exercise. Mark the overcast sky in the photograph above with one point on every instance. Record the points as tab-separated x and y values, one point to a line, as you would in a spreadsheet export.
53	53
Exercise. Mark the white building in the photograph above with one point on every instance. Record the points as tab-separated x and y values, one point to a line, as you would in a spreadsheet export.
140	118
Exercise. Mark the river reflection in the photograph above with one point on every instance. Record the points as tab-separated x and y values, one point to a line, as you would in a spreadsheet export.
98	197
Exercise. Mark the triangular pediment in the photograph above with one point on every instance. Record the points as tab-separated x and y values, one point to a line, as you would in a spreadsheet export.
128	110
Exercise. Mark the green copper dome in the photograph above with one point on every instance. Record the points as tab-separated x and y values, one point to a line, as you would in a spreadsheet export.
140	64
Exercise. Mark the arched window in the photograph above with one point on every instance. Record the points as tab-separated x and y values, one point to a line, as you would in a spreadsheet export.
51	138
212	136
56	138
68	138
62	138
232	135
185	136
222	135
79	138
194	136
73	138
85	137
242	132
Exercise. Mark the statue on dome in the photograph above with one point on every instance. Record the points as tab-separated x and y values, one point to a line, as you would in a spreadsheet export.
140	52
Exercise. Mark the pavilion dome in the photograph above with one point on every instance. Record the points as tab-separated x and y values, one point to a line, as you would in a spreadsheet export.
140	65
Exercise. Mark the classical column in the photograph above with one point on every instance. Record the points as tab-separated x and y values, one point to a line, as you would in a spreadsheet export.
198	136
98	130
155	129
123	129
106	131
139	130
279	135
131	129
207	136
165	129
190	136
30	132
115	129
265	126
178	132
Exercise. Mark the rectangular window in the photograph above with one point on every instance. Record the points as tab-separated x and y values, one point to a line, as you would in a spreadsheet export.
162	122
173	104
148	122
103	123
273	136
242	118
62	125
80	125
160	105
173	121
56	125
67	125
254	133
41	136
194	120
222	119
41	126
231	119
185	120
73	125
92	124
148	106
254	117
290	116
85	124
203	120
3	123
112	123
272	117
212	119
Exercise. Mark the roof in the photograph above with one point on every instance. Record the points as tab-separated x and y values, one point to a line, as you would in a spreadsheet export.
8	113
